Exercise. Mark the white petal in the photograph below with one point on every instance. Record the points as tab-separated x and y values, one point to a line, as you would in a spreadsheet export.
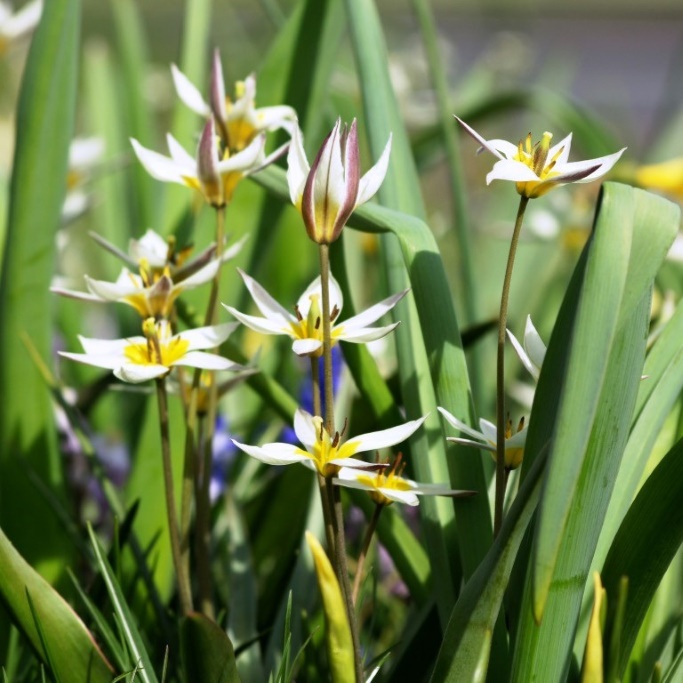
246	159
270	308
85	152
605	164
157	165
273	453
370	315
74	294
23	21
272	118
188	93
353	463
523	356
483	142
151	246
181	156
533	344
205	361
304	302
507	149
305	428
297	166
135	373
406	497
511	170
370	182
202	276
305	347
363	334
564	144
126	284
328	185
381	439
208	337
108	362
489	431
460	425
100	347
262	325
517	440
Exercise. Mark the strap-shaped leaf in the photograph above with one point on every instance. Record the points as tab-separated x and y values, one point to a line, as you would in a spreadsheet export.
44	128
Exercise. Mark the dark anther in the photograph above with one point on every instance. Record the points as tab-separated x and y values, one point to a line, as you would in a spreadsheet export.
297	313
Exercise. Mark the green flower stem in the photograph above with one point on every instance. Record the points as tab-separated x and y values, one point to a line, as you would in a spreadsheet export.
212	307
315	381
369	532
203	522
184	593
501	479
334	494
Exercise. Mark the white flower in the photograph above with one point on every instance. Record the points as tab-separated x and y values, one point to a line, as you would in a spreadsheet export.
324	453
487	437
14	26
84	155
533	351
213	174
328	192
388	485
238	122
139	359
305	327
539	168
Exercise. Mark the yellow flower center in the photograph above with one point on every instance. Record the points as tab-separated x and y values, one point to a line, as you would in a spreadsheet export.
311	327
536	158
157	303
160	348
390	478
327	449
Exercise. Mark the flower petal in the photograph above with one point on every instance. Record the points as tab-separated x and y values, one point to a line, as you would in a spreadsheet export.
380	439
262	325
471	442
268	306
100	347
306	347
245	160
157	165
363	334
370	182
370	315
188	92
297	166
460	425
483	142
207	337
604	164
533	344
305	428
108	362
205	361
274	453
181	156
523	356
489	431
135	373
511	170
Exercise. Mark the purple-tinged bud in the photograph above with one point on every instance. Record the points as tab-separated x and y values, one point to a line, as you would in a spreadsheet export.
217	97
207	167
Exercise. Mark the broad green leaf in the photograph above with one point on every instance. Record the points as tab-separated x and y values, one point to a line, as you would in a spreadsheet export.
45	117
206	651
647	540
73	652
542	652
127	624
431	360
465	650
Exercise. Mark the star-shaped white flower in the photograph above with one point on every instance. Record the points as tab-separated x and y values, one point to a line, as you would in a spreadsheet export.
211	172
328	192
324	453
533	351
388	485
238	122
305	327
539	168
84	155
139	359
486	438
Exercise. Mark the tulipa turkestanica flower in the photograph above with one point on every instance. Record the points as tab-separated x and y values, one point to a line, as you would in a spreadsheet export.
154	355
327	192
213	173
324	452
238	121
536	169
388	485
305	326
532	352
486	438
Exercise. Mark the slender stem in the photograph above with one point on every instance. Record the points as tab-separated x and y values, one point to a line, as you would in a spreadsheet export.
203	534
315	384
327	337
369	532
501	479
212	307
184	592
342	572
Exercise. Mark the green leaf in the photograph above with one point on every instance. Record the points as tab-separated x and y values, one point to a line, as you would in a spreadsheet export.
646	543
73	653
599	379
206	651
127	624
466	645
44	118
